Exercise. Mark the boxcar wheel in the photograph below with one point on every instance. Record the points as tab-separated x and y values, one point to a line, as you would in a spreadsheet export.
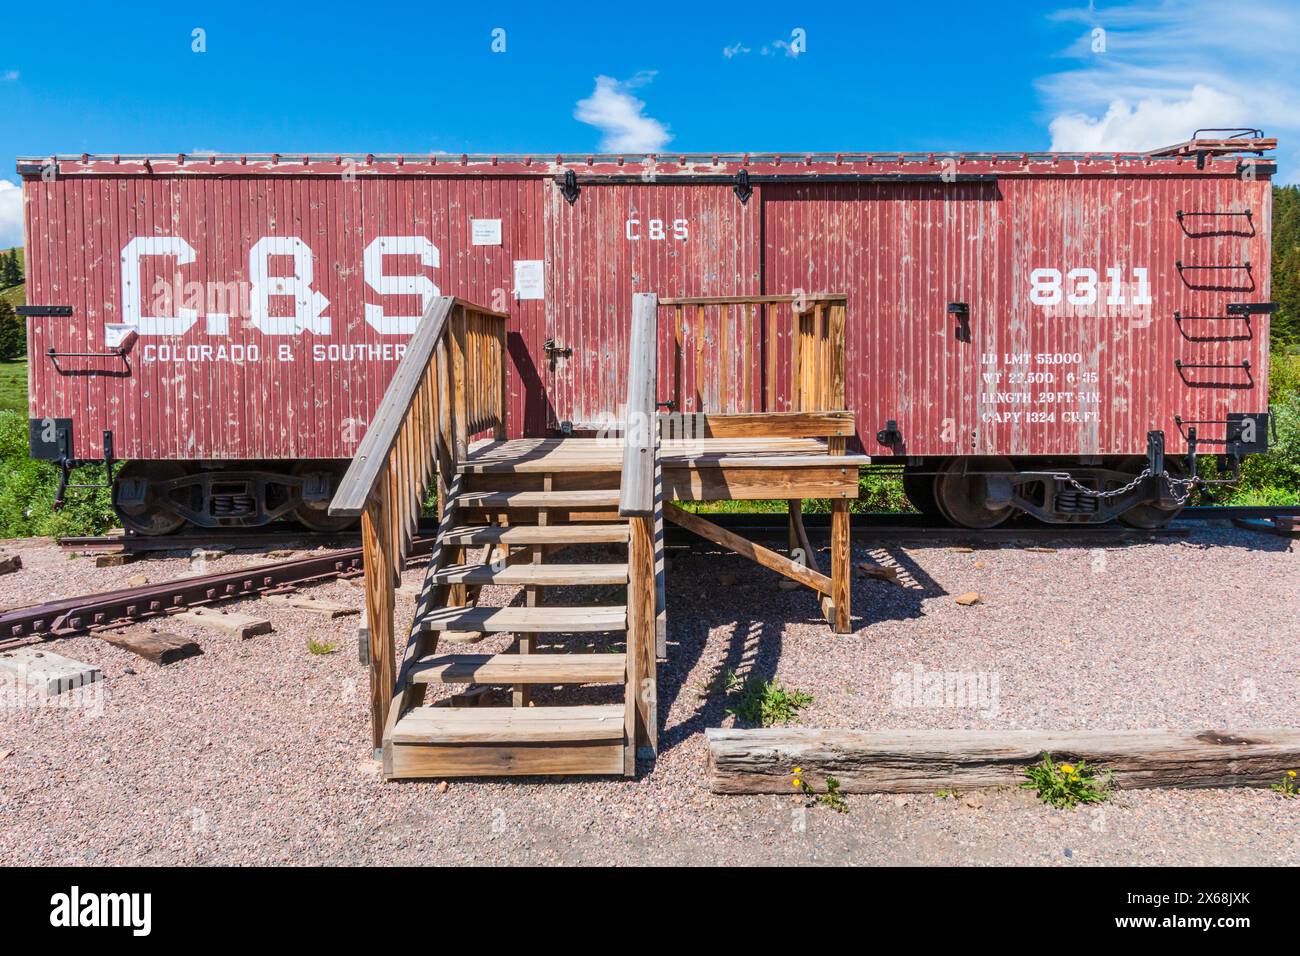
151	518
961	496
319	518
1149	515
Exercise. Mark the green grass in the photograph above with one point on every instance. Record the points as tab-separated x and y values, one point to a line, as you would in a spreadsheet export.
13	387
761	702
27	490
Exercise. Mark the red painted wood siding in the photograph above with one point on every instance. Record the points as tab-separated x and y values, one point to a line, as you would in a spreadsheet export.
902	249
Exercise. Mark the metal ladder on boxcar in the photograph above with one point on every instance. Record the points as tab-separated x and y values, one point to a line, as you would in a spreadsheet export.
519	510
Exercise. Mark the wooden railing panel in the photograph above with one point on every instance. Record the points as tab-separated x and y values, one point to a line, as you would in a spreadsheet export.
738	355
449	386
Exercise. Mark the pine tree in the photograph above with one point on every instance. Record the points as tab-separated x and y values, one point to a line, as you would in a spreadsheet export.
1286	266
13	335
10	272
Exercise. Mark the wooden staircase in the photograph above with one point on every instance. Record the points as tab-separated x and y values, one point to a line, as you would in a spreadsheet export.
435	740
509	509
505	522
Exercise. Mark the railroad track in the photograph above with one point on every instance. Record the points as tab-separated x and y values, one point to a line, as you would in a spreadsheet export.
110	609
282	536
131	543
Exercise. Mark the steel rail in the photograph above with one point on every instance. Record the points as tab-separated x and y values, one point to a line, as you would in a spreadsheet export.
114	608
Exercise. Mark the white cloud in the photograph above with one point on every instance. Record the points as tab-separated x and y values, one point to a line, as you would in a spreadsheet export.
11	215
786	46
736	49
9	75
620	116
1172	66
1147	124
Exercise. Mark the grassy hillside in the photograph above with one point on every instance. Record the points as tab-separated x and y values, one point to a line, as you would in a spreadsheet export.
13	375
17	295
13	387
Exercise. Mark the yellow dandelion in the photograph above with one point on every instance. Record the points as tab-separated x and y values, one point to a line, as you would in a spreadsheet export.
1291	774
799	770
1067	768
797	783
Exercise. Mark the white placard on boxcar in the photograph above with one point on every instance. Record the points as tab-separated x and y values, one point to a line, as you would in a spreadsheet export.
485	232
529	282
115	333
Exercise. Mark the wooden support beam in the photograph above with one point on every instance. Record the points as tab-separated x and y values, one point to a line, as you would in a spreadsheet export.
748	549
923	761
841	567
799	542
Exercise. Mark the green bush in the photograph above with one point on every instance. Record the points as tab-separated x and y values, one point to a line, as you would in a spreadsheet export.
27	491
1272	478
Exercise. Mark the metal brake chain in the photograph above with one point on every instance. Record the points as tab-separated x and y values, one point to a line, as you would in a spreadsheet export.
1187	484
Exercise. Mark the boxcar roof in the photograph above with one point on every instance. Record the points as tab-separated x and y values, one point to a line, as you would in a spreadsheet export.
1208	157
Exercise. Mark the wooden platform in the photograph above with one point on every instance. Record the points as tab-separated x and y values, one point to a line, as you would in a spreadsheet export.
696	469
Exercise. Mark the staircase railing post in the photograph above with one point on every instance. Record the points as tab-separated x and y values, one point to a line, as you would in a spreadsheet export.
380	575
637	504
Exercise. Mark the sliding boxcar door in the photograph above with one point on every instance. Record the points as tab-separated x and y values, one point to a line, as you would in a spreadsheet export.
616	239
904	252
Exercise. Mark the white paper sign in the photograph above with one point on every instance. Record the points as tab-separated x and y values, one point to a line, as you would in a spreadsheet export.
115	333
485	232
529	283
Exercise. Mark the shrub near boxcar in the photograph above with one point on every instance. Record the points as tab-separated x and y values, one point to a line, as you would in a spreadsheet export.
27	490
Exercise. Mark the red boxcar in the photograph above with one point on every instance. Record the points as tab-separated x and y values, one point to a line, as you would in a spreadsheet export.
227	315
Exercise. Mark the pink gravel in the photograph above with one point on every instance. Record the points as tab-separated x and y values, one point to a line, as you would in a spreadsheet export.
257	751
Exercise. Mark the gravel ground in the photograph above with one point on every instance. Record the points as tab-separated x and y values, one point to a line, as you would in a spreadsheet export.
256	752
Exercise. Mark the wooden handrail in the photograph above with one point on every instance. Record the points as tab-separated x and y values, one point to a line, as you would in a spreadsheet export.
449	386
371	456
641	428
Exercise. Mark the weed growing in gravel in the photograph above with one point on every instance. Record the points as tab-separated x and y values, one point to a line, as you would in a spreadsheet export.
1288	786
765	702
1067	785
832	799
950	794
321	647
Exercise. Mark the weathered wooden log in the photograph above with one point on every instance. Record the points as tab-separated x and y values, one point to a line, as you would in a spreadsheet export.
160	647
923	761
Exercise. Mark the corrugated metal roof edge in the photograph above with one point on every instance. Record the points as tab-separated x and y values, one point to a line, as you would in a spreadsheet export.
646	164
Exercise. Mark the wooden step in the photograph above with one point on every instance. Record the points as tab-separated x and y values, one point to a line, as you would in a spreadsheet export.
534	455
510	725
526	620
521	669
539	534
594	498
543	574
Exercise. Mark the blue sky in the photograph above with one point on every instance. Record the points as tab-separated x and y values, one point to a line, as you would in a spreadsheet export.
420	77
